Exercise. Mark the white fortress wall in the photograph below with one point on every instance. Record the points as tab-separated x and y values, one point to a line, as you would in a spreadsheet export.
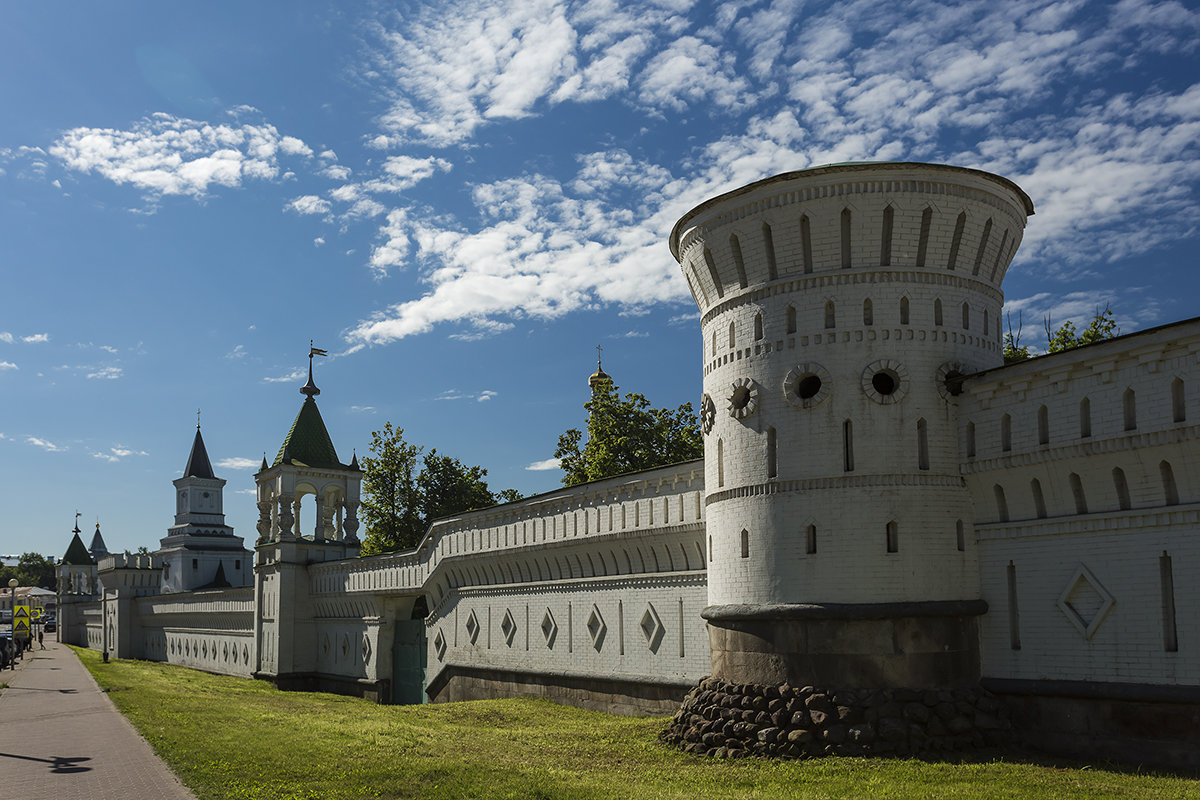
600	582
1084	473
209	630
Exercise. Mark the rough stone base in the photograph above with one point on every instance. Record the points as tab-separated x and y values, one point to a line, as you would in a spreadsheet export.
627	698
375	691
728	720
1143	725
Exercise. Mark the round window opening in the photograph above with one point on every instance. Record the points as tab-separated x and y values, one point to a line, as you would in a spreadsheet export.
885	382
808	387
740	398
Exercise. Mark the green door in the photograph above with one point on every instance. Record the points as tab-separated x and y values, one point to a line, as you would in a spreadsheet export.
408	662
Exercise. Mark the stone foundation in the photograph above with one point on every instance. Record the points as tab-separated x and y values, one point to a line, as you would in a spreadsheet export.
729	720
612	695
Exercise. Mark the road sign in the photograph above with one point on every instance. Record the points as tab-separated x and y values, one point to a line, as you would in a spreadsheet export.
37	614
20	622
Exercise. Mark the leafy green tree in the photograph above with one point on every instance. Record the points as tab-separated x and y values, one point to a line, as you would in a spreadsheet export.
32	569
391	505
1014	351
448	486
627	435
1101	327
399	503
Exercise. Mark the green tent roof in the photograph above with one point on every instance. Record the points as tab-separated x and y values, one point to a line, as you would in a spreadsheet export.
308	443
77	554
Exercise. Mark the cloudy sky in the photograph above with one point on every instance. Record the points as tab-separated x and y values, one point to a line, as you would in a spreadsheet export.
461	200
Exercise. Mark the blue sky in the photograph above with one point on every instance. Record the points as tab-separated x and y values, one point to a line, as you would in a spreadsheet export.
459	201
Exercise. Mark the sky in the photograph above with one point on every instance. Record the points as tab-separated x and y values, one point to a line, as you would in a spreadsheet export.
460	201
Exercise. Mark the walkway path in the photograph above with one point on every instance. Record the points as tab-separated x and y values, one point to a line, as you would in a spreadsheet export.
61	738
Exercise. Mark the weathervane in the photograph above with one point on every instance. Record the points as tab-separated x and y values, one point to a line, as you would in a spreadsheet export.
197	419
310	389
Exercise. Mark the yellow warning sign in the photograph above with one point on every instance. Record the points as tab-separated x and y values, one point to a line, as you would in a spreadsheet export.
38	613
20	622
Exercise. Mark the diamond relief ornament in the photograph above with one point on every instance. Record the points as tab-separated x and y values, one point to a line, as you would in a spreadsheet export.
1085	602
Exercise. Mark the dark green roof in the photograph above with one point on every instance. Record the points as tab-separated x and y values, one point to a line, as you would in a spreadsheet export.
308	443
77	554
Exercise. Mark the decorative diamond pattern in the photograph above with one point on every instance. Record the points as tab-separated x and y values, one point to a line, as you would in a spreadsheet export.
508	627
439	645
652	627
549	629
596	628
473	627
1085	602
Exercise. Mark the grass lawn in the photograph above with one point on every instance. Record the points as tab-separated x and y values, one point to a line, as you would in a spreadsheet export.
238	738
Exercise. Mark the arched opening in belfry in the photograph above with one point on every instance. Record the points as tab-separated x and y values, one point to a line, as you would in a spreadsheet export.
1170	490
758	327
923	240
791	319
903	310
937	311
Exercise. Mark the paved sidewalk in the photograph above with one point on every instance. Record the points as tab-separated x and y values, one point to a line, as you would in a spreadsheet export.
61	738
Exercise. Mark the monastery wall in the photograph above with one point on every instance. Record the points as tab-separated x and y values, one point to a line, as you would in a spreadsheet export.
594	589
1086	485
209	630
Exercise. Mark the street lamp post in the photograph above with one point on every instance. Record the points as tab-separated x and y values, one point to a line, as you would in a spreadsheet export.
12	609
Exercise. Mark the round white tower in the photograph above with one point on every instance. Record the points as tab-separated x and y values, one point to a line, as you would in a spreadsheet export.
838	305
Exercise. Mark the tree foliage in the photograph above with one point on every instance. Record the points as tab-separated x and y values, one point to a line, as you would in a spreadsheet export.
32	569
399	503
627	435
1102	326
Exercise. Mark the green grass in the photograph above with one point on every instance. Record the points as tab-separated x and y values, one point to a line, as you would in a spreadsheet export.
237	738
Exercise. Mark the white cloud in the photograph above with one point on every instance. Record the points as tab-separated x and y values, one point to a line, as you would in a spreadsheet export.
7	365
455	394
363	409
239	463
36	337
168	155
115	454
317	242
106	373
541	466
238	351
294	375
246	491
6	337
309	204
49	447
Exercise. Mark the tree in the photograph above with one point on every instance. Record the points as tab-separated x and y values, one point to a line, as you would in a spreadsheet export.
32	569
448	486
1014	351
399	503
626	436
1102	327
1064	337
390	507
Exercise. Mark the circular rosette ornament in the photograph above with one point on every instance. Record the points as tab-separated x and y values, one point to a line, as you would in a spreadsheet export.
708	413
743	398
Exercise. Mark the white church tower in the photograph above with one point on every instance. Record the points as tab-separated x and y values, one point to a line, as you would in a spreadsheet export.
838	307
200	551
